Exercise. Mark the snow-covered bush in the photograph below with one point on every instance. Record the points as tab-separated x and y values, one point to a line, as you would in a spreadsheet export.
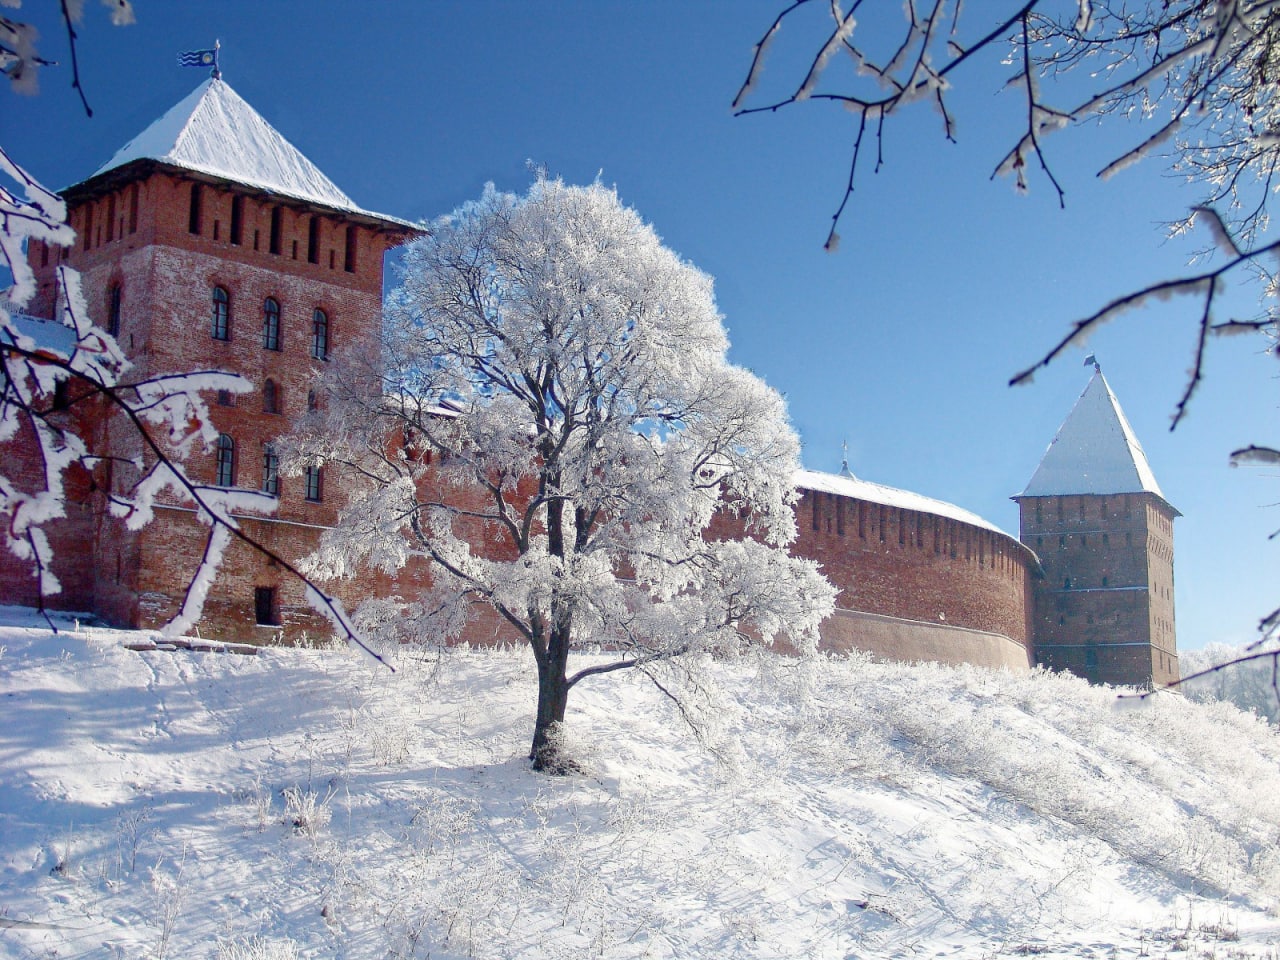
1250	685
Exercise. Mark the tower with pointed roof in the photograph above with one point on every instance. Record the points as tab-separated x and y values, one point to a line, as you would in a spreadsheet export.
210	242
1103	531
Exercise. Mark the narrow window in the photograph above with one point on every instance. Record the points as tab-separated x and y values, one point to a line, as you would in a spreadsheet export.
349	256
193	214
237	220
270	397
226	398
295	250
840	516
313	241
61	395
1039	511
217	225
111	218
265	609
88	226
270	324
1091	656
133	209
221	320
312	403
313	478
320	335
270	470
226	459
332	254
113	310
817	516
277	224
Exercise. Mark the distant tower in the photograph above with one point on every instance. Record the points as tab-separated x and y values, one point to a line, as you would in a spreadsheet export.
1103	530
210	242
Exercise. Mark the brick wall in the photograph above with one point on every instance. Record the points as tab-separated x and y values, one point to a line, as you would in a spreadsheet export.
1105	607
917	566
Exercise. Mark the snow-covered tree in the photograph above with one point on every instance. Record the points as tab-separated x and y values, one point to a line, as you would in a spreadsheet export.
552	428
1201	76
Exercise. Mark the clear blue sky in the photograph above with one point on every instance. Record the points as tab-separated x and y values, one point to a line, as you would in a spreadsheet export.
901	343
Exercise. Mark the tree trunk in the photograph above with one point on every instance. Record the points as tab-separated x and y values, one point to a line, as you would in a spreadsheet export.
553	696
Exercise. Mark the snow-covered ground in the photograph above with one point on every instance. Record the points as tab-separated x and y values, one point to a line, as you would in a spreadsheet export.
300	803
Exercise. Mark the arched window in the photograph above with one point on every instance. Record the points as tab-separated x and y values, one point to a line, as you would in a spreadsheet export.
313	478
270	470
226	454
113	310
270	397
221	323
320	335
270	324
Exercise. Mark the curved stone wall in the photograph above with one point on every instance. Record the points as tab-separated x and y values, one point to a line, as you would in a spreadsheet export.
919	579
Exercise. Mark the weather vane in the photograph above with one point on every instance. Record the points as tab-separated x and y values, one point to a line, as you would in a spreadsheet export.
203	58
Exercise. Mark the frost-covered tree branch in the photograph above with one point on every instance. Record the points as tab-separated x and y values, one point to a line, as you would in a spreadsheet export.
1202	77
551	430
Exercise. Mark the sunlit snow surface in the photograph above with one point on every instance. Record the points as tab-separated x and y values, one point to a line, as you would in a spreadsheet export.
896	812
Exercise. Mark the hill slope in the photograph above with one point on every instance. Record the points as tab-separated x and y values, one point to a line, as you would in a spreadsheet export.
297	803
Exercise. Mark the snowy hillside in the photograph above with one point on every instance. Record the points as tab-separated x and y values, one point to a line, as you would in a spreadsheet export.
299	804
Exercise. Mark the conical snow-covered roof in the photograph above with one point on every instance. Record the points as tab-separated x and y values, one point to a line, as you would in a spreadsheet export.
213	131
1095	451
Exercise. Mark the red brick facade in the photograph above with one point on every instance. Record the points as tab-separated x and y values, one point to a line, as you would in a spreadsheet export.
1104	609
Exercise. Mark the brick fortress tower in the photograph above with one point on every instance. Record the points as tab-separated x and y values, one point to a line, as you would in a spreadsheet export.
210	243
1103	530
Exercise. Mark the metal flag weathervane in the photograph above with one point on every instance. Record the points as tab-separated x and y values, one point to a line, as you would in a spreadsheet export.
203	58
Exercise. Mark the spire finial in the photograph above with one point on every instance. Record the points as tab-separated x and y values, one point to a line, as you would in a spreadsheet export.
1097	367
844	461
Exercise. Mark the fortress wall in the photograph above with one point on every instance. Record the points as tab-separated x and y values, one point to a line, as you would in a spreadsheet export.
890	638
910	565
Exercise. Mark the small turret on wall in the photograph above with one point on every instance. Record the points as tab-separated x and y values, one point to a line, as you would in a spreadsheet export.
1103	531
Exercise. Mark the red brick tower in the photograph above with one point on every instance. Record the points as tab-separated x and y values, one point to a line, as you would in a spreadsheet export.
1103	530
210	243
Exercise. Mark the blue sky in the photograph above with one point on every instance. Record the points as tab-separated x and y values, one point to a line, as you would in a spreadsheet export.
901	343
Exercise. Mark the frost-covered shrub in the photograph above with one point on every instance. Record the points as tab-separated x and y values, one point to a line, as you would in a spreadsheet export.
306	811
1247	685
258	948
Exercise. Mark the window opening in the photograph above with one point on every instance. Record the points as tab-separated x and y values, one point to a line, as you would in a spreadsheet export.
320	335
313	240
270	324
270	470
221	327
226	459
113	310
270	397
265	609
193	214
237	220
277	218
313	478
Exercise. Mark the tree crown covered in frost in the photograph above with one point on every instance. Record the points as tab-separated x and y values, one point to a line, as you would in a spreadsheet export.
567	374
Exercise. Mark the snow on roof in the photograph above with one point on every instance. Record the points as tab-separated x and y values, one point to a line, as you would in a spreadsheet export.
214	131
1095	451
850	486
